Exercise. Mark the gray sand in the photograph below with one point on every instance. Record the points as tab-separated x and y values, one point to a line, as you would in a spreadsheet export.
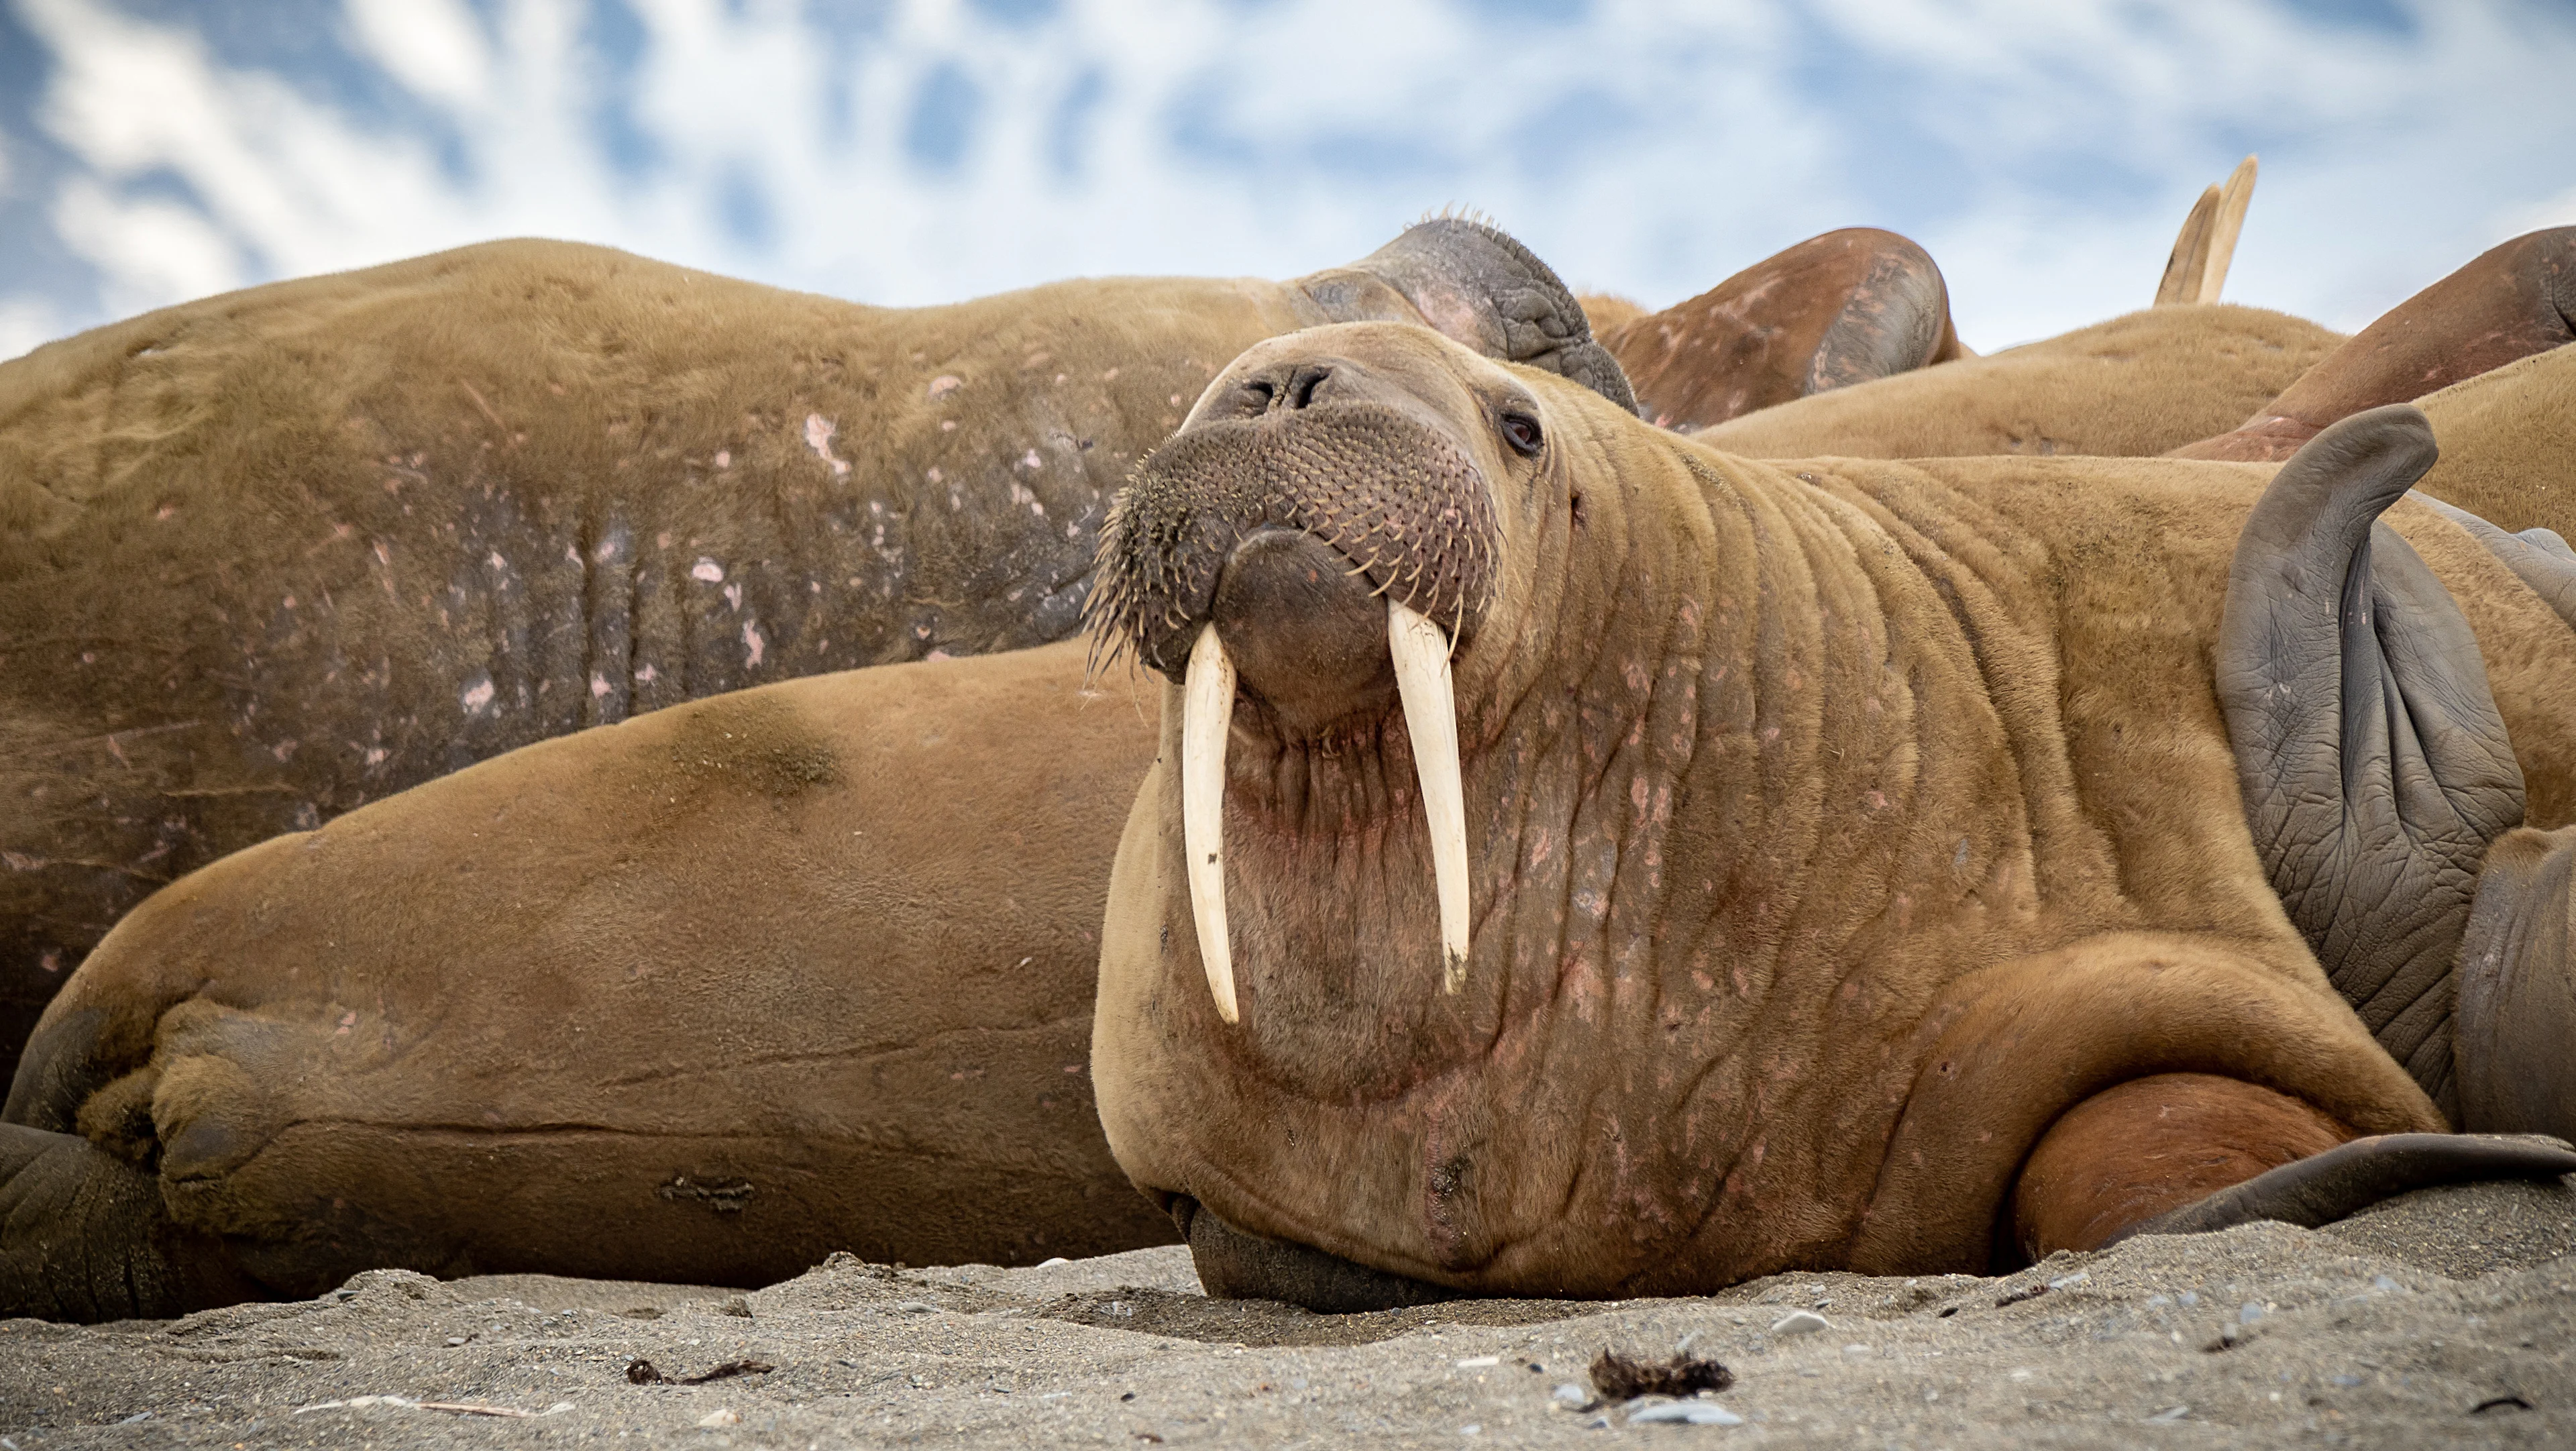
2443	1318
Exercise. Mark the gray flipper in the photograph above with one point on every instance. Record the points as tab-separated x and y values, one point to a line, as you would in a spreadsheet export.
2374	765
1480	287
2516	1033
85	1237
2537	557
2326	1187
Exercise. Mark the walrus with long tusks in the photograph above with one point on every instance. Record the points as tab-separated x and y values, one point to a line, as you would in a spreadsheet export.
236	1097
1854	871
271	555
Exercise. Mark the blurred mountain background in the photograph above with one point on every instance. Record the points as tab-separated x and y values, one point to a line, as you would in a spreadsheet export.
2045	151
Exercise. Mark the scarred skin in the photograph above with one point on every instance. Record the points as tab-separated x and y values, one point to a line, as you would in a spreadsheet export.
275	554
1835	828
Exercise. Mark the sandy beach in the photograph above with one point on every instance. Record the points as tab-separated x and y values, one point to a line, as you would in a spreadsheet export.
2447	1317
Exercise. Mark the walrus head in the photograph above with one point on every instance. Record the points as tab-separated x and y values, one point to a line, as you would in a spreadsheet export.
1357	566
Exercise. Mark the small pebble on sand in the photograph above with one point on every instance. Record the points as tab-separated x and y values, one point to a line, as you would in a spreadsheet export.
1800	1322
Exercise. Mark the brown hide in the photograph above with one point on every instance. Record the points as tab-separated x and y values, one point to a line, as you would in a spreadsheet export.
2136	385
2508	439
702	997
1835	826
275	554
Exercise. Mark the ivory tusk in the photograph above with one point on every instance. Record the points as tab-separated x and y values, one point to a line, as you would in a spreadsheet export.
1207	722
1421	653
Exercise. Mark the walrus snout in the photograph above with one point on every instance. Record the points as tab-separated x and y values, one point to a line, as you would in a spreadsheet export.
1374	497
1307	635
1392	493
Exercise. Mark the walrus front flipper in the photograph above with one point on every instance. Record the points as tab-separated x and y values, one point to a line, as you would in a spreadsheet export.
2328	1186
2510	302
84	1237
1481	288
2374	766
1835	310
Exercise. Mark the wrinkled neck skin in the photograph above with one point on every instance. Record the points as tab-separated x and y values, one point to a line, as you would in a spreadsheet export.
1657	824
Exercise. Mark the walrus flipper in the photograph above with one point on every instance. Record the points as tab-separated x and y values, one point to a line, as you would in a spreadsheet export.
2374	766
2515	1037
1480	287
2537	557
85	1237
2329	1186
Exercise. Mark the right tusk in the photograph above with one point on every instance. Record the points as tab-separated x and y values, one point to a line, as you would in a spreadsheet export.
1207	721
1422	679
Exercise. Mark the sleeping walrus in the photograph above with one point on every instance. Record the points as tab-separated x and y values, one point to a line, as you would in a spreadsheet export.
1580	862
268	556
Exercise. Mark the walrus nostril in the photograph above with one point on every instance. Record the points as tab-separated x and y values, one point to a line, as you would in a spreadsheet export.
1304	382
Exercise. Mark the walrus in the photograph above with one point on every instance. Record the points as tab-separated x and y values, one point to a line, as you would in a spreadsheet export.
2171	379
125	1183
1580	862
511	1019
271	555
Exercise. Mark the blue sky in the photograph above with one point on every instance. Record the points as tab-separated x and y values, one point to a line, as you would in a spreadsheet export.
2045	150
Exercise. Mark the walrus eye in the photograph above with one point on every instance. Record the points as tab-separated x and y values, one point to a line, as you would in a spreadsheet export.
1522	433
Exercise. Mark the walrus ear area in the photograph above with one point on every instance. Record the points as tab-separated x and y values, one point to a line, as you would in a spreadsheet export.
1478	286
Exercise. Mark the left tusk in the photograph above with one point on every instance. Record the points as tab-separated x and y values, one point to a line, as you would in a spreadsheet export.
1421	654
1207	722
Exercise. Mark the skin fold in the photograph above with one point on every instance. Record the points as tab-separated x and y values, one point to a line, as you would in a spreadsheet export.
1817	866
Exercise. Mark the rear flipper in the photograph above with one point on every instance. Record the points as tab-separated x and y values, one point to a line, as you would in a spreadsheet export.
1832	311
2512	301
85	1237
2374	765
2186	1153
2334	1184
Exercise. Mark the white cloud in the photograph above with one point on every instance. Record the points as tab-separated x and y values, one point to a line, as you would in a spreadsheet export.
152	251
2044	151
433	46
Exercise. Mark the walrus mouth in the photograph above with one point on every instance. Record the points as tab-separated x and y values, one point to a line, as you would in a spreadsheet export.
1409	512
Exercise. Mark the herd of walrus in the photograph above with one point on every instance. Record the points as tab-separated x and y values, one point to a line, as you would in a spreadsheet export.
1413	782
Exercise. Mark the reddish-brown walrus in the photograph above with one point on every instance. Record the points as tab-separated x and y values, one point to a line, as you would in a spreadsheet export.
1583	863
187	1039
270	555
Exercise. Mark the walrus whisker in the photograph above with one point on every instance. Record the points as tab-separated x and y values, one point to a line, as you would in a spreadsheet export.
1422	679
1207	721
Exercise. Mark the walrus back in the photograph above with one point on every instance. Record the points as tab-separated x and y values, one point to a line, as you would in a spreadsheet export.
2134	386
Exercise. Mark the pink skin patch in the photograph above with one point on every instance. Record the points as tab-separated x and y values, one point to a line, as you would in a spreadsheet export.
818	437
753	645
707	570
945	384
477	696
